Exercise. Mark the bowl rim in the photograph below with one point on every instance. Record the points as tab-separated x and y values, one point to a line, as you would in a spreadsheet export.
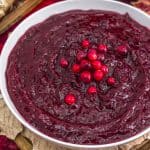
16	113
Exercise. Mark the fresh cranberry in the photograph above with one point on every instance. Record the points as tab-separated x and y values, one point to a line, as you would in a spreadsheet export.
98	75
122	49
70	99
85	76
76	68
80	55
92	90
63	62
111	81
96	64
92	55
7	144
102	48
105	69
85	43
85	64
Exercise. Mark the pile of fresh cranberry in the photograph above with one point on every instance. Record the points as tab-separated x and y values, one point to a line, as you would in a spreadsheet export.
90	68
7	144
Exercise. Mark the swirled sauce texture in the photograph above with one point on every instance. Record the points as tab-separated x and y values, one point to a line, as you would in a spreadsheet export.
37	83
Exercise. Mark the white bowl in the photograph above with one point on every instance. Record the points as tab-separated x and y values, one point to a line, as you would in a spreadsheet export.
40	16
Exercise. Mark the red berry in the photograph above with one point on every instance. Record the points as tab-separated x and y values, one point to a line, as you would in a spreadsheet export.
102	48
7	144
96	64
105	69
63	62
76	68
70	99
92	55
85	64
111	81
98	75
85	76
122	49
85	43
92	90
81	55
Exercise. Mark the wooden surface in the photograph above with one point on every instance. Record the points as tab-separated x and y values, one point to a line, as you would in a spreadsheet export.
17	14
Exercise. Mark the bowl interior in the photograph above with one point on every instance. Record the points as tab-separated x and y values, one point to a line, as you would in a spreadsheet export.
40	16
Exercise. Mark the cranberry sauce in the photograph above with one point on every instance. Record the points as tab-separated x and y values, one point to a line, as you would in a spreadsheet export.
83	77
127	1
